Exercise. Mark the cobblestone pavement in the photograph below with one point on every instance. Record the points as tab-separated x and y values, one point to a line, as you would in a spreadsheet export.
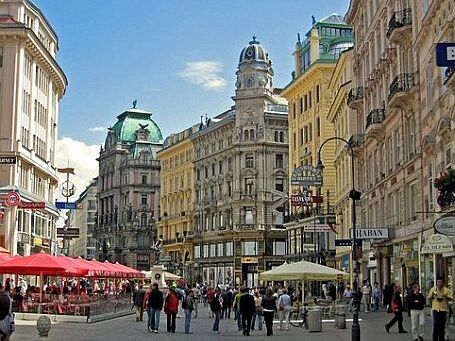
126	328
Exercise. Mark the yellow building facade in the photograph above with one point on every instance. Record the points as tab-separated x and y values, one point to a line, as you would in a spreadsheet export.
310	101
176	202
348	127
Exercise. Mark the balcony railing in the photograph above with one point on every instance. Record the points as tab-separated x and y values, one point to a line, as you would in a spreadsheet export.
376	116
399	19
356	140
401	83
355	94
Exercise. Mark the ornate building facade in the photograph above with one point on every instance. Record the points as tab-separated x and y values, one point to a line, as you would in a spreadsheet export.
128	191
177	202
309	101
240	179
32	84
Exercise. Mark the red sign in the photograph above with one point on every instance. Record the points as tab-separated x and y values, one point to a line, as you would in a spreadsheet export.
301	200
32	205
12	199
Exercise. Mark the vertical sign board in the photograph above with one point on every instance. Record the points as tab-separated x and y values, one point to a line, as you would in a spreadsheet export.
445	54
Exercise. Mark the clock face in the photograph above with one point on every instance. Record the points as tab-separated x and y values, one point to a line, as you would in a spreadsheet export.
249	81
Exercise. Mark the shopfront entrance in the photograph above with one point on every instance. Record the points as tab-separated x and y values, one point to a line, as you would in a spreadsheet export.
250	273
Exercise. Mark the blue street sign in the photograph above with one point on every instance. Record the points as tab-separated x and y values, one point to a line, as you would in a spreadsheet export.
347	242
62	205
445	54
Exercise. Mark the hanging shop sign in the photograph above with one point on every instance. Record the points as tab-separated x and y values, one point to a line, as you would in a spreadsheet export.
303	200
320	228
445	226
306	176
381	233
249	260
12	199
8	160
437	243
32	205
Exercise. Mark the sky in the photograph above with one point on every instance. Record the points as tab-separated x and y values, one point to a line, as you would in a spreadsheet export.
177	58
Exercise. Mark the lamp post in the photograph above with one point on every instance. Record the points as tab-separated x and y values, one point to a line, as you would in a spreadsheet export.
354	195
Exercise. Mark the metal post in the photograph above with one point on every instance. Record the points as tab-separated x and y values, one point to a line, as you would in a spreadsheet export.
355	331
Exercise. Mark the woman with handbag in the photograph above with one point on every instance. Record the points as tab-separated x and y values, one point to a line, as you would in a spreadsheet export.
397	309
6	316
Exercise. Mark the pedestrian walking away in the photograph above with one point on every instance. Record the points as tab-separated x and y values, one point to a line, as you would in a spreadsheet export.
247	309
284	309
171	307
397	309
269	308
154	306
138	301
439	297
259	312
215	307
416	304
188	307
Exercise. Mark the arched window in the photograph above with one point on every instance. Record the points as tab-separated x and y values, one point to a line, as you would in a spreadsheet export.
251	134
143	219
276	136
281	136
247	135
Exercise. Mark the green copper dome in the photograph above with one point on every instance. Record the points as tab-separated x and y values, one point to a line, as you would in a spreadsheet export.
132	120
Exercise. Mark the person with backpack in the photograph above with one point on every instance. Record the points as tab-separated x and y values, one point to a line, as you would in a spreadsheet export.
247	309
215	307
155	302
188	307
171	307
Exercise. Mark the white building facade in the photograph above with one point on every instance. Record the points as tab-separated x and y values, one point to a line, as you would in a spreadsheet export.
31	84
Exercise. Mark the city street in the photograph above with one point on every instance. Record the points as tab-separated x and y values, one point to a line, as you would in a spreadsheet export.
126	328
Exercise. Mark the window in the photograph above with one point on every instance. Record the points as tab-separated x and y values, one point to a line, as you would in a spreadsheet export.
197	251
279	248
206	251
448	158
295	141
318	127
309	100
248	215
212	250
220	167
198	174
249	161
220	250
230	188
281	136
213	169
306	103
143	219
246	134
293	110
275	136
144	199
430	186
249	186
230	164
310	132
317	93
301	136
414	201
279	184
279	161
92	205
229	249
144	179
306	134
249	248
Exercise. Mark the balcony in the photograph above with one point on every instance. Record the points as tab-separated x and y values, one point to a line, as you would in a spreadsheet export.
400	88
355	98
356	141
374	120
400	26
245	227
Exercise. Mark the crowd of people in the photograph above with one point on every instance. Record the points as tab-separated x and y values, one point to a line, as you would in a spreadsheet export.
250	308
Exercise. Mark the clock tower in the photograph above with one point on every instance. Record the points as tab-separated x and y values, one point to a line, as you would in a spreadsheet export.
254	90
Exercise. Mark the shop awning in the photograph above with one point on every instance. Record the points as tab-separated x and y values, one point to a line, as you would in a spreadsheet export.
302	270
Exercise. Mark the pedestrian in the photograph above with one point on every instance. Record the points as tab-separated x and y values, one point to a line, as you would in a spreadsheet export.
397	309
269	308
284	308
171	307
376	293
215	307
347	295
210	294
236	308
6	317
227	302
138	300
332	293
247	309
416	304
258	314
154	306
366	295
196	297
439	297
188	307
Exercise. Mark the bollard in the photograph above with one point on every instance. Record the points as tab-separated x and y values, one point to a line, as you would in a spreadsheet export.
43	325
314	319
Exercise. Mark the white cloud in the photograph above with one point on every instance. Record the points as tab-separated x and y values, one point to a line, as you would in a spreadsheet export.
97	129
81	157
204	73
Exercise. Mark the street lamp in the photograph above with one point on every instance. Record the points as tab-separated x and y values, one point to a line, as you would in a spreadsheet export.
354	195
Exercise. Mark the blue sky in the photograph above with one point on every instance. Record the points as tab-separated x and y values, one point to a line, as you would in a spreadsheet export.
177	58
